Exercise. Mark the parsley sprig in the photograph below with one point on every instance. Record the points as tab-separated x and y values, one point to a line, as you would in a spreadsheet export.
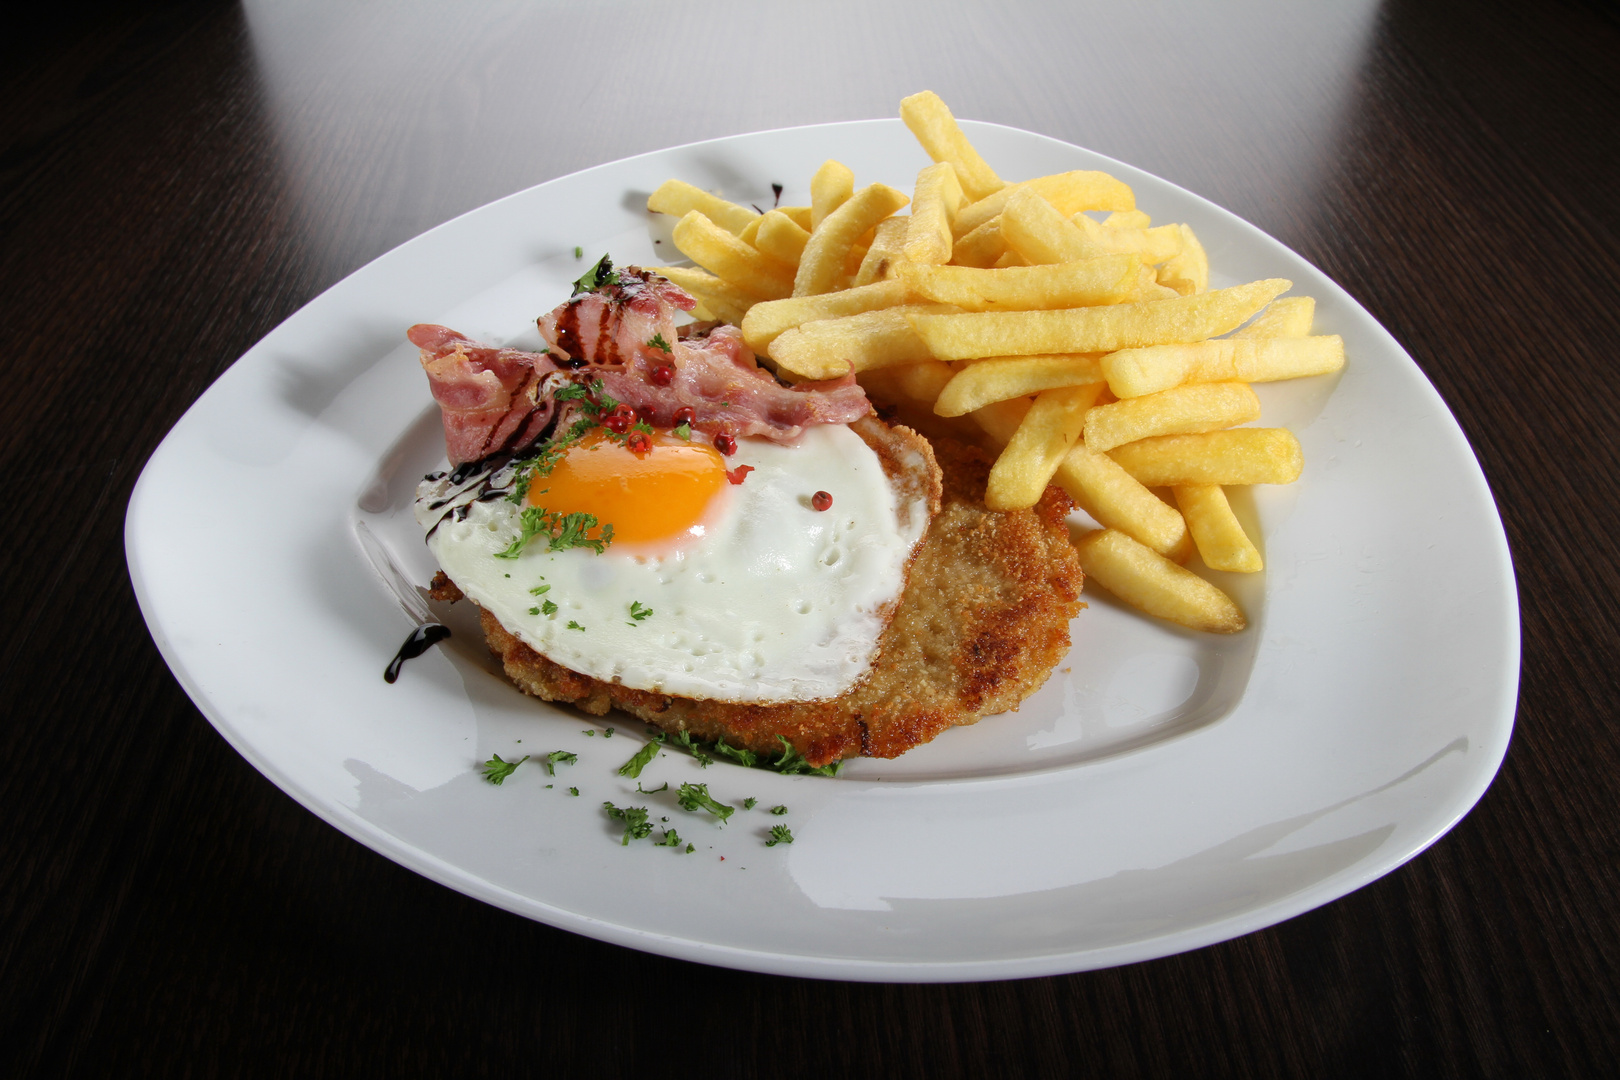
696	797
636	825
780	834
596	277
559	757
642	758
496	770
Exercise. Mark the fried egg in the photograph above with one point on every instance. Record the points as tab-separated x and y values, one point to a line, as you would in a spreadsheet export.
710	589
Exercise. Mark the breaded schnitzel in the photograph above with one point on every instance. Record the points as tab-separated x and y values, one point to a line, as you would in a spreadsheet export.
983	621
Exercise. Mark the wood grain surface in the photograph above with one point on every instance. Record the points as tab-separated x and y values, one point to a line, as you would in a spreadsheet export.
176	180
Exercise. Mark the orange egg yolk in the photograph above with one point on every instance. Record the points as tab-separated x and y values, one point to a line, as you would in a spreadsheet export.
653	496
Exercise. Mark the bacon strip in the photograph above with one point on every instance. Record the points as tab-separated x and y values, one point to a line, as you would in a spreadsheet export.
612	332
490	399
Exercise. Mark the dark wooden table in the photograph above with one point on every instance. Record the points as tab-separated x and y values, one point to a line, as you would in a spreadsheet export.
175	183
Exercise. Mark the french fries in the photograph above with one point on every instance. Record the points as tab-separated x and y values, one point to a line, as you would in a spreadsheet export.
1181	410
1152	583
822	265
1038	446
831	348
1149	370
1088	354
1094	329
936	129
1108	280
1237	456
986	381
766	321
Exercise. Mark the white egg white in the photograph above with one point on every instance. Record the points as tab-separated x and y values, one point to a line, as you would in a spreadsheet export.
769	601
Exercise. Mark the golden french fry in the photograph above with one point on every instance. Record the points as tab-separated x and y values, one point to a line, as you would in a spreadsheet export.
1181	410
981	247
1188	271
1234	456
1001	378
1000	419
1153	245
802	216
1069	193
1221	541
1038	446
1152	583
721	299
1135	372
767	320
781	238
922	382
1127	219
934	203
886	252
830	348
726	256
1094	329
821	267
1010	258
1116	500
678	198
750	234
1040	233
936	129
1108	280
830	188
1284	317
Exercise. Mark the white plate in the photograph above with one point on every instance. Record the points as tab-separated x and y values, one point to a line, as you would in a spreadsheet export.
1164	791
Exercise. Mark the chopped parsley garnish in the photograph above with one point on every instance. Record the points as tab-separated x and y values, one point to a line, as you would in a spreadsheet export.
780	834
559	757
792	763
573	791
741	755
659	343
597	276
696	797
534	611
562	531
684	432
652	791
539	589
750	802
636	825
685	739
642	758
579	252
671	839
496	771
572	625
778	810
608	734
638	611
548	608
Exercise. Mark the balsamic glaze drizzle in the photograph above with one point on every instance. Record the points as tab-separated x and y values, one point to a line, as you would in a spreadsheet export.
422	639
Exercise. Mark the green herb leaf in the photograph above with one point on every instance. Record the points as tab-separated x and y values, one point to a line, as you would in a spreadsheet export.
496	770
562	531
780	834
684	432
671	839
659	343
597	276
539	590
652	791
741	755
778	810
579	253
684	738
608	733
696	797
573	791
559	757
792	763
750	802
633	767
572	625
636	825
638	612
548	608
